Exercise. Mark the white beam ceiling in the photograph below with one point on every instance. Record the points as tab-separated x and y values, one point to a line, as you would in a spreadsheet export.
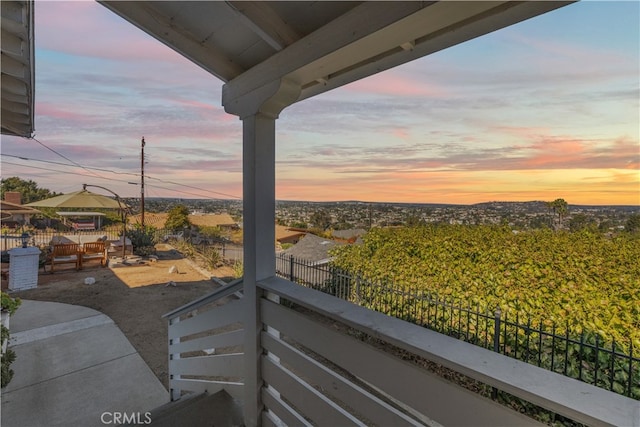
265	22
315	45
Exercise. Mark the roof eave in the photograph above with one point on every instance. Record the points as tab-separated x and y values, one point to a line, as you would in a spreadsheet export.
18	68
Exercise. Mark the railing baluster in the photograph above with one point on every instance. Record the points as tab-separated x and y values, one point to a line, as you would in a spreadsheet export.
566	350
553	346
629	391
540	331
595	376
175	393
612	372
580	360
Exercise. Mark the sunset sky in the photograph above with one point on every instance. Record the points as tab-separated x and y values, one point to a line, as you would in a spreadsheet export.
544	109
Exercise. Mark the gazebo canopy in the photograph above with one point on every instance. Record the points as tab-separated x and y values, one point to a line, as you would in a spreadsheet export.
79	199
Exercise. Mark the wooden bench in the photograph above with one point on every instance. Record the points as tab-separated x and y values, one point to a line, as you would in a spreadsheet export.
93	251
66	253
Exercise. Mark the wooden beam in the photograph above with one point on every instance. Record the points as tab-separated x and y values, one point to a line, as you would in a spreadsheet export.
266	23
144	16
481	24
343	31
352	47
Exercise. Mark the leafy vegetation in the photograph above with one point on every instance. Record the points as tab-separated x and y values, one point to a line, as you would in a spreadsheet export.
633	224
210	232
208	255
178	218
143	240
584	280
28	189
567	302
9	305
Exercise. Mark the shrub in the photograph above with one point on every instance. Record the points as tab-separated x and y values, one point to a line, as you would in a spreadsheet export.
9	305
143	240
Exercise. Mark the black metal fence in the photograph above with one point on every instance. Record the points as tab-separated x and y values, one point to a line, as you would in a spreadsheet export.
584	356
10	240
227	250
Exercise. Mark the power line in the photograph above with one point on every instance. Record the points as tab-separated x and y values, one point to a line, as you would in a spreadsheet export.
121	173
88	169
195	188
119	180
66	164
57	170
181	192
66	158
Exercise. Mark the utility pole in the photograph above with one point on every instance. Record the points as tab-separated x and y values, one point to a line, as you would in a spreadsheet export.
142	184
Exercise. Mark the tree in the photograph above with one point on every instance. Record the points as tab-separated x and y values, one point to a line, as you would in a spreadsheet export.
210	232
28	189
633	223
581	221
321	219
178	218
560	208
413	219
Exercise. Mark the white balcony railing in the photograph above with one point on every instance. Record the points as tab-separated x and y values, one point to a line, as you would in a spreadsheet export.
326	361
205	344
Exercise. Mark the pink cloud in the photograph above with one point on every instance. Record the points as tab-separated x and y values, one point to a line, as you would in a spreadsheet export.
62	113
397	84
559	152
110	36
401	133
196	104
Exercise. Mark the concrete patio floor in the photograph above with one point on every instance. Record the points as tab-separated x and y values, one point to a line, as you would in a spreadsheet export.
74	367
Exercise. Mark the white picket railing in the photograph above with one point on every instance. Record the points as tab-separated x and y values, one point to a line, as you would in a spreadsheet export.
325	361
205	344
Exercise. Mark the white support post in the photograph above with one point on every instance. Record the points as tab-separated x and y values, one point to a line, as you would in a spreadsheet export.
258	109
259	245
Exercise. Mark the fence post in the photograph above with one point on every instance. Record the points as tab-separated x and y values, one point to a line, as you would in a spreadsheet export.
291	268
496	343
174	391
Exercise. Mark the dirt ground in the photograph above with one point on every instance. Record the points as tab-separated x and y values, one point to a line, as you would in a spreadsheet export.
135	296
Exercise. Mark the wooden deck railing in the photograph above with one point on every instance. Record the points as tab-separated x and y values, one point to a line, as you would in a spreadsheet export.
205	344
325	361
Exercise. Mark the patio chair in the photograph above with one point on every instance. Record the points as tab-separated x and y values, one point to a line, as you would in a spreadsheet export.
94	251
66	253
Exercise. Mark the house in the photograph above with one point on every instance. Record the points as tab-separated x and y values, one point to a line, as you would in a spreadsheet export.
350	235
288	235
13	213
158	220
306	357
312	249
307	260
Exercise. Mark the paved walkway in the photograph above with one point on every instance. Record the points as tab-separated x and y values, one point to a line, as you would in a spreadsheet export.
74	367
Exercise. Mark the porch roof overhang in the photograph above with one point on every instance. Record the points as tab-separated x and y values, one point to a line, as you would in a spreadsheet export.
17	68
314	46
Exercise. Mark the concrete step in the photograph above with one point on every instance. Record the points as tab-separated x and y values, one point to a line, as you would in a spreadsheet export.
202	410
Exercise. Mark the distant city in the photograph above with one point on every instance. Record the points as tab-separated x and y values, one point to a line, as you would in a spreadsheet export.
355	214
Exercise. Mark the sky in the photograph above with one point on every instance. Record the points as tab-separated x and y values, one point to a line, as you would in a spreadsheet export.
548	108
